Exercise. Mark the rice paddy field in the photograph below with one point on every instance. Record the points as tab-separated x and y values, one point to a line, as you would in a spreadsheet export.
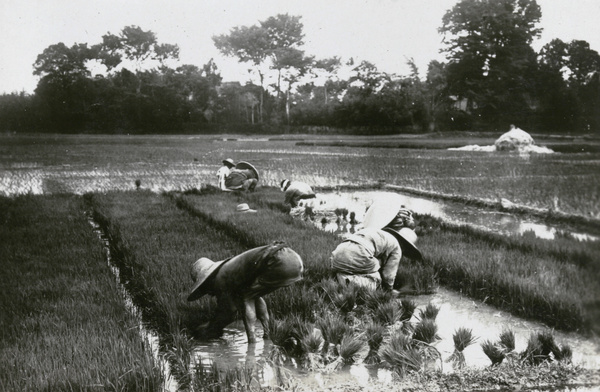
65	325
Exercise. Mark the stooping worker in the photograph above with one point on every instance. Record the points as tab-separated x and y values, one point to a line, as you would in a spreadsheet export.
242	177
240	282
295	191
223	172
371	256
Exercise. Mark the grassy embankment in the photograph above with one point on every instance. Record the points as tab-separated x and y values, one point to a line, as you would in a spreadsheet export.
64	324
155	242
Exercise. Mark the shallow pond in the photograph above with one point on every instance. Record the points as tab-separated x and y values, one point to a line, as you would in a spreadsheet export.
448	211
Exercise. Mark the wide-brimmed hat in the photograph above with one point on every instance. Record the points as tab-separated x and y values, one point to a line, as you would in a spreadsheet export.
229	162
244	207
383	210
242	165
202	269
407	239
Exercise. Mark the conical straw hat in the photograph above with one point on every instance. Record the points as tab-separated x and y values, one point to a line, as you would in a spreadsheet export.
407	239
383	210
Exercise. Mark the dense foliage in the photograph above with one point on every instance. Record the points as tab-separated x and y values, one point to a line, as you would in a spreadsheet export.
492	78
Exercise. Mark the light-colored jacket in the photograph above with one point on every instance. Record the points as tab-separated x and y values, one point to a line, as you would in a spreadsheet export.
296	191
366	252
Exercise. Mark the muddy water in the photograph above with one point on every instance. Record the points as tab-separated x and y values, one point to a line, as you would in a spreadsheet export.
451	212
456	311
486	322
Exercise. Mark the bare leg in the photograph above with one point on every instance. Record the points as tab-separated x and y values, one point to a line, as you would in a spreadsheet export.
263	315
249	316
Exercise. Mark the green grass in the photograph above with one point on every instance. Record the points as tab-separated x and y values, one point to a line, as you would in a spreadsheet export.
64	324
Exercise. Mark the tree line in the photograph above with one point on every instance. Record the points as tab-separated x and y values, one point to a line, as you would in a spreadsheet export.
492	77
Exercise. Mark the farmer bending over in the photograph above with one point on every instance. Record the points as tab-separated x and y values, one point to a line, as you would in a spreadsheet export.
371	256
296	191
239	283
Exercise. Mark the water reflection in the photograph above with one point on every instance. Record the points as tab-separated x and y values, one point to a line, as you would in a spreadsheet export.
448	211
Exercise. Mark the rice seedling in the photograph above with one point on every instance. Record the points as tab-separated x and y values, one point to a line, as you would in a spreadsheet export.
426	331
462	337
375	334
333	327
388	313
507	340
549	346
64	324
345	300
287	335
400	354
312	346
353	348
408	309
493	352
429	312
534	353
373	299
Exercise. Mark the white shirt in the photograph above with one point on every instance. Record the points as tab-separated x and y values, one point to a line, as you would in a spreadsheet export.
222	173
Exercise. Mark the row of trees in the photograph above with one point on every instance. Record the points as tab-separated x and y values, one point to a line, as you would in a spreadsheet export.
492	77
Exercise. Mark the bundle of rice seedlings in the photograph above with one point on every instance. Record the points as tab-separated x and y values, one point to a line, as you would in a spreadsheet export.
408	309
400	354
333	328
375	333
463	337
313	344
353	348
507	340
287	334
387	313
430	312
565	354
373	299
426	331
534	352
549	346
493	352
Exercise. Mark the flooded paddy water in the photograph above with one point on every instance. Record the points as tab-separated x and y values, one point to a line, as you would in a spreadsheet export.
456	311
450	212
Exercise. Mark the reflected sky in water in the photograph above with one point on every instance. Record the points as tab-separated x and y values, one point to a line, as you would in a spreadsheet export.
451	212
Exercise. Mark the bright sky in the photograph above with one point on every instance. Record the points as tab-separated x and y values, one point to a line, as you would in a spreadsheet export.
384	32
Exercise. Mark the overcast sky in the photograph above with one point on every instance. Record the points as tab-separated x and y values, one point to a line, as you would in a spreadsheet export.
384	32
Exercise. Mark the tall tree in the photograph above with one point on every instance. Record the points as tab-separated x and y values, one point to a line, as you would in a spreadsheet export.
63	89
274	43
490	59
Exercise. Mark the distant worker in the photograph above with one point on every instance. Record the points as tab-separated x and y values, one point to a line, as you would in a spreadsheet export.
371	256
237	177
296	191
240	282
224	171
